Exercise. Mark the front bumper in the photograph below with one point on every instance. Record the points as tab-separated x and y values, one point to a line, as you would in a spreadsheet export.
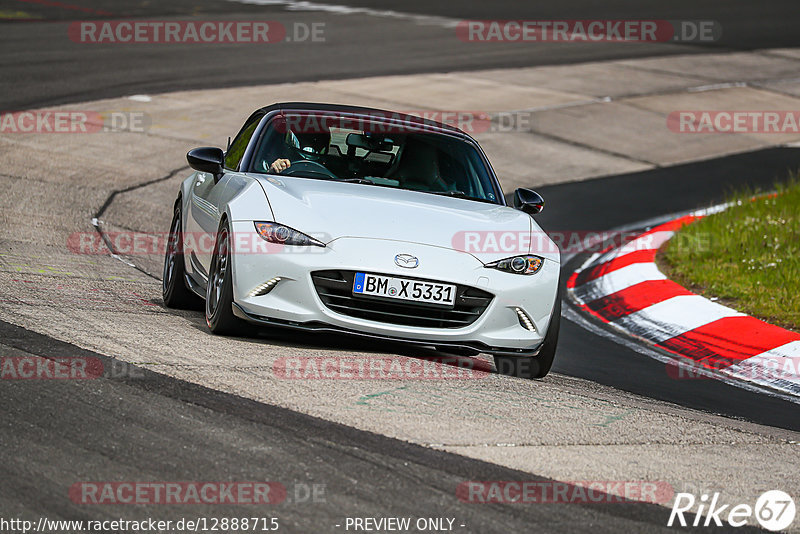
294	302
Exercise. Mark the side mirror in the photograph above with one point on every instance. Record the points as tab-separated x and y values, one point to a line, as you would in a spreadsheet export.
528	201
206	159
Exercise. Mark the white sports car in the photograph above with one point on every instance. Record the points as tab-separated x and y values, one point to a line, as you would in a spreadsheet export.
331	218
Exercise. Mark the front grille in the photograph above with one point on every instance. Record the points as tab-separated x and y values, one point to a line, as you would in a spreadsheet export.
335	288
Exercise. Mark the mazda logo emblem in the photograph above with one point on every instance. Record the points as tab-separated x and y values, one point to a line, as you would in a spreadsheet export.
406	261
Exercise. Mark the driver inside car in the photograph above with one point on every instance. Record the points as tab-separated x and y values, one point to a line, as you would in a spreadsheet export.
308	146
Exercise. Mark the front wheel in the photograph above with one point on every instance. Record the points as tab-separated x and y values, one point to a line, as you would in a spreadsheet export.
534	366
219	291
173	285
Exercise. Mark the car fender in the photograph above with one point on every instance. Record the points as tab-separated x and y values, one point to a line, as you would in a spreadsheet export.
247	200
183	196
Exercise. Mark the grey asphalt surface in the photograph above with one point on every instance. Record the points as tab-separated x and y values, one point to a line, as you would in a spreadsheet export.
42	66
153	427
136	425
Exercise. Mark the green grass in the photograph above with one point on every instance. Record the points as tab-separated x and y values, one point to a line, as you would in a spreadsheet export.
747	256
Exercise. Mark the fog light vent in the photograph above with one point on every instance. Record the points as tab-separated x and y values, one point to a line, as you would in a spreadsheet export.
525	321
265	288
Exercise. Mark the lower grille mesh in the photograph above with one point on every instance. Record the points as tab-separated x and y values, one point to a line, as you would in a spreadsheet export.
335	288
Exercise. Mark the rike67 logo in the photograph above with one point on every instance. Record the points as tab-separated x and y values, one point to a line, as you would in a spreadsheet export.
774	510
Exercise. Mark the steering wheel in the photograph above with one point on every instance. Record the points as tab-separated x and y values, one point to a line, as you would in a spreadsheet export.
304	166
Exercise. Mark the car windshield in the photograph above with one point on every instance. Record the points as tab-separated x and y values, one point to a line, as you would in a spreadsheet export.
329	147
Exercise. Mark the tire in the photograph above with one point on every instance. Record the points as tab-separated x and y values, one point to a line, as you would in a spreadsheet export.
219	291
534	366
173	283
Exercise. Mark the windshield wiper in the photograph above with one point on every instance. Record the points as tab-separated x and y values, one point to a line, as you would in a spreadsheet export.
459	194
462	194
357	181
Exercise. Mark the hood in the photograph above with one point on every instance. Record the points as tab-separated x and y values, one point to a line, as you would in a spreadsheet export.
329	210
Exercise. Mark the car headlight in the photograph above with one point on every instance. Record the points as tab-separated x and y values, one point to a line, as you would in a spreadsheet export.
283	235
527	264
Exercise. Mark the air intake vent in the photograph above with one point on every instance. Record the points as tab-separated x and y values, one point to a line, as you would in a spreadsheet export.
335	288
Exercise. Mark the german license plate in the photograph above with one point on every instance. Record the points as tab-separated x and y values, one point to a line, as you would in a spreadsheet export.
404	289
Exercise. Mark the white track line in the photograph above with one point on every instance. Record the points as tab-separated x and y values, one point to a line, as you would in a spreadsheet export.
291	5
778	367
617	281
673	317
648	241
623	338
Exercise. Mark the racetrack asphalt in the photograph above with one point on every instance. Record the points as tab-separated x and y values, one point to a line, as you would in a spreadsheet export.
42	66
164	428
143	426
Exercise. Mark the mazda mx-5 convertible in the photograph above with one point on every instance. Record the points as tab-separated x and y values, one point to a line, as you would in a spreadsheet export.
327	218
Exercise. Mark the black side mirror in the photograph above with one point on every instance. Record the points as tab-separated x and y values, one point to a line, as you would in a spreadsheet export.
528	201
206	159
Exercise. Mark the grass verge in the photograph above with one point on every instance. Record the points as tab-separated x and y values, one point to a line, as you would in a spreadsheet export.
747	257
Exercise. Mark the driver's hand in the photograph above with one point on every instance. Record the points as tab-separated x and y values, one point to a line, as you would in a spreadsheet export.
280	165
